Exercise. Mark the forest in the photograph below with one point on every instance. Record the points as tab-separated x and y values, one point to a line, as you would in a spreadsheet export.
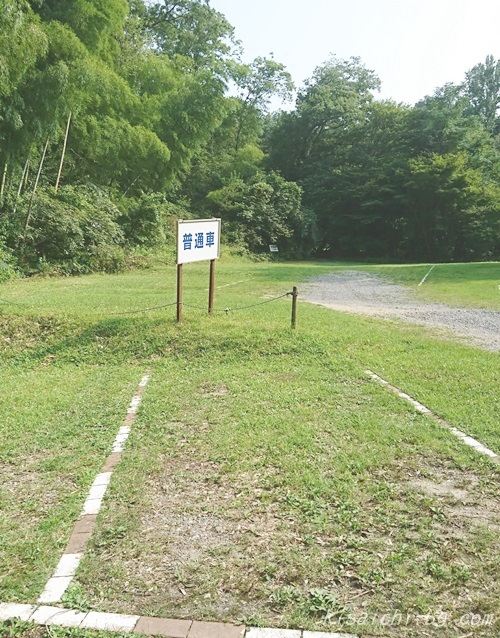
118	117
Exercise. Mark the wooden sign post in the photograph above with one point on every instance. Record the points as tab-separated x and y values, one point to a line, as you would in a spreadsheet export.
211	287
197	240
179	293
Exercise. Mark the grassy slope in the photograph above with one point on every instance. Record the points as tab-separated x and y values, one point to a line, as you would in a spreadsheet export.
291	399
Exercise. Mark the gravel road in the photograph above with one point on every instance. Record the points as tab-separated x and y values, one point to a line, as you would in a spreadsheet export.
366	294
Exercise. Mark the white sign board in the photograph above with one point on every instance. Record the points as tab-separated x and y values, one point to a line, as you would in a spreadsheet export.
198	240
273	248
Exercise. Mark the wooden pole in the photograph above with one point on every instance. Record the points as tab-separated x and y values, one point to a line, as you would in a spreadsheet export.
179	293
63	153
295	294
211	288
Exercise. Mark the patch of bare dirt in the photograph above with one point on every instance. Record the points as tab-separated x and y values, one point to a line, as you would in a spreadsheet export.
461	500
211	390
22	483
205	539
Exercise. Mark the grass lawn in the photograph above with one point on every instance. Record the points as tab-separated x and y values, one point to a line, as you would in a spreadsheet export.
58	422
267	479
21	629
474	285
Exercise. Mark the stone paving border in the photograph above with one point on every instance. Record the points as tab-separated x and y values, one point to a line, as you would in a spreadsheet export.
66	569
468	440
164	627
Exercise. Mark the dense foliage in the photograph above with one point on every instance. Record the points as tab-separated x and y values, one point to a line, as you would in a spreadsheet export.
115	119
386	180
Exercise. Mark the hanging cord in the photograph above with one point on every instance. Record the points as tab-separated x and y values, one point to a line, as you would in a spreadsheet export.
169	305
228	310
133	312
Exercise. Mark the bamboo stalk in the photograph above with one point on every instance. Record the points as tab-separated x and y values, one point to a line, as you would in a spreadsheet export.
4	177
23	177
26	177
28	216
25	170
63	152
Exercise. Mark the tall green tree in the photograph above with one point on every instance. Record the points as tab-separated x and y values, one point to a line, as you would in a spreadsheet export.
22	45
482	88
190	29
334	99
97	23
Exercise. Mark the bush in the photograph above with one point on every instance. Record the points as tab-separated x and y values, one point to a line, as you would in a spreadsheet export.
73	232
148	221
7	264
265	210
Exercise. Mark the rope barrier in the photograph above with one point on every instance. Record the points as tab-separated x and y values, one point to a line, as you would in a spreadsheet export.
169	305
228	310
132	312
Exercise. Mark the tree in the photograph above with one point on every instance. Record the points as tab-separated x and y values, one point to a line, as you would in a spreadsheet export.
190	29
333	100
97	23
353	184
312	144
482	88
22	45
264	210
444	195
257	83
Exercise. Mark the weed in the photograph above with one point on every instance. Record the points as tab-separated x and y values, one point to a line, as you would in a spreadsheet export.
19	629
76	598
322	603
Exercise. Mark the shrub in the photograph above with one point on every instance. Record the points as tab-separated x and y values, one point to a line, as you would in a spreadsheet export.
7	264
73	232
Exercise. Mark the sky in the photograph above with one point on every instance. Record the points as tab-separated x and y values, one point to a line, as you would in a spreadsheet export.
414	46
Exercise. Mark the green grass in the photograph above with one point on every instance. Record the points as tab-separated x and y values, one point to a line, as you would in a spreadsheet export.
21	629
58	423
474	285
268	439
298	484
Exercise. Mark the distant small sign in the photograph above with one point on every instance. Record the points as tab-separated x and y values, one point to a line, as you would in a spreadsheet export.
198	240
273	248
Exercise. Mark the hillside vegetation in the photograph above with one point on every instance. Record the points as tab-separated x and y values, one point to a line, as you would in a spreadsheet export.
116	119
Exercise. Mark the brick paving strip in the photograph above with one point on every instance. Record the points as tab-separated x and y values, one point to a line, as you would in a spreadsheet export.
82	531
468	440
47	615
164	627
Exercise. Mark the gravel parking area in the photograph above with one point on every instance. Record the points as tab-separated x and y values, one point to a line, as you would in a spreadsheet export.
366	294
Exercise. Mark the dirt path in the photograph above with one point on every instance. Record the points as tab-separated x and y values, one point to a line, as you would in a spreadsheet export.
366	294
